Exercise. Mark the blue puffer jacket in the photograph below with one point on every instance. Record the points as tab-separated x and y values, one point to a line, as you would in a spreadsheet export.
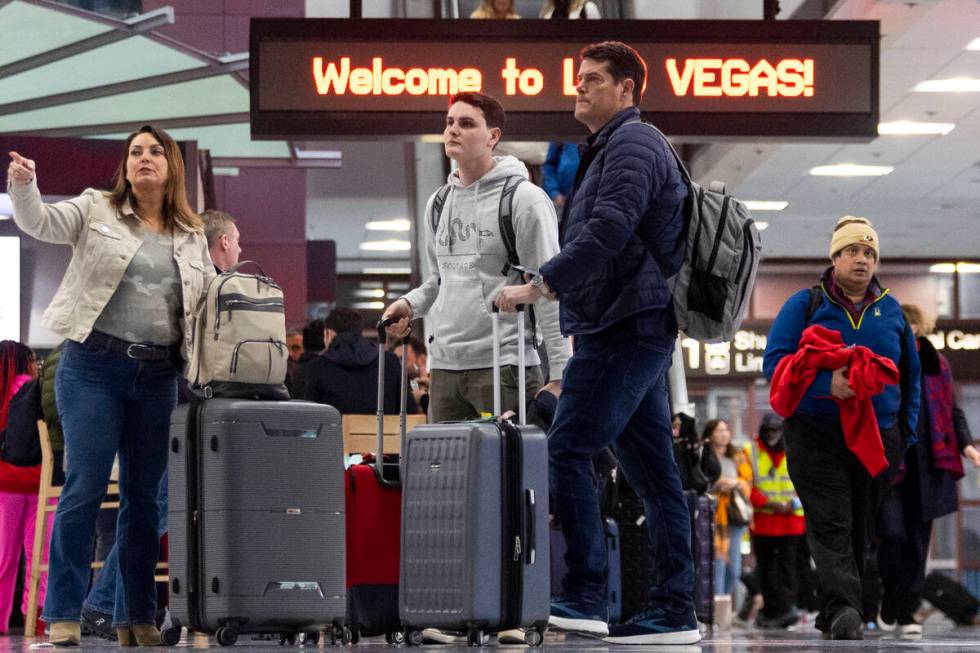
622	235
881	329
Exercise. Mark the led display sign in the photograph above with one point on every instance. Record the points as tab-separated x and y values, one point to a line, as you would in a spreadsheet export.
341	78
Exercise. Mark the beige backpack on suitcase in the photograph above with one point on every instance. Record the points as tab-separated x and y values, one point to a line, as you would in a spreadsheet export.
239	340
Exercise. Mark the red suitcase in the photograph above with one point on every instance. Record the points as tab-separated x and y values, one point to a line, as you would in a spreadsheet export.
373	502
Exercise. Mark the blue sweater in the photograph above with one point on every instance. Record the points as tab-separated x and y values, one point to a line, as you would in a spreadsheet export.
558	171
880	328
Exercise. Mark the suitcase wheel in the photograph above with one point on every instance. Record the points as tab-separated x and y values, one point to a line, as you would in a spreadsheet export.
171	636
534	637
343	634
311	638
226	636
474	637
413	637
397	637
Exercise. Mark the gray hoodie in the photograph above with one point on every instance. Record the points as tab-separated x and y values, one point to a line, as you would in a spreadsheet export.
466	258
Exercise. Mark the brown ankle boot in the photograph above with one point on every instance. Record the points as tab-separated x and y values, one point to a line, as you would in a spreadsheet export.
65	633
139	635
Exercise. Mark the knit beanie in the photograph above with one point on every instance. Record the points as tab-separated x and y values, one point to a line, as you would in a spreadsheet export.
852	230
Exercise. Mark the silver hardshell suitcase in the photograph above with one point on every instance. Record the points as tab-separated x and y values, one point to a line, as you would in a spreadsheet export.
475	543
256	519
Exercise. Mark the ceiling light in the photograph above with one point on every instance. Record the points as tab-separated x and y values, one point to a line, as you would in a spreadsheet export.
765	205
386	245
912	128
850	170
372	306
386	270
389	225
761	226
953	85
949	268
369	292
974	44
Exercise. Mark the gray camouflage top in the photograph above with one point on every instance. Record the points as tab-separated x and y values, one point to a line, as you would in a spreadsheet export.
146	305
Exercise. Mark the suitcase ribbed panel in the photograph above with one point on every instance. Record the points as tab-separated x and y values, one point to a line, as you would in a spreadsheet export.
434	547
270	515
451	527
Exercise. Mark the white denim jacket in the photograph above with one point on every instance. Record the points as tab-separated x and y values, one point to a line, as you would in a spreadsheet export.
103	242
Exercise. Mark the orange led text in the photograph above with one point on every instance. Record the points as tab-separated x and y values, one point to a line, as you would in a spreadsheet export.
381	80
737	77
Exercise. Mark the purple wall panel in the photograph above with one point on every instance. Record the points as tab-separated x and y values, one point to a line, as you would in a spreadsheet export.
269	206
282	8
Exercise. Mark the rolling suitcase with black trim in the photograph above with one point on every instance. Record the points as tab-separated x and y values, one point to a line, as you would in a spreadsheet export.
475	543
374	504
256	515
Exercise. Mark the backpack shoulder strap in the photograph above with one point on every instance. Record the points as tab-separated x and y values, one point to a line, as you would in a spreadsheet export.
813	302
505	213
438	203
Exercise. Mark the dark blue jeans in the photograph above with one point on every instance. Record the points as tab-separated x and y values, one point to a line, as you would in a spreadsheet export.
102	596
109	403
615	393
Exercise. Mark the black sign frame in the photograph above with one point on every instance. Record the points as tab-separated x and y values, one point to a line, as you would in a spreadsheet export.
693	125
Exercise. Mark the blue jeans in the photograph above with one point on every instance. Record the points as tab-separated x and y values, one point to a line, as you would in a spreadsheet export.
102	596
728	573
615	393
110	403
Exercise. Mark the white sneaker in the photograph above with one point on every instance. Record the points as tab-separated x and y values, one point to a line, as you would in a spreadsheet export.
884	626
514	636
436	636
910	630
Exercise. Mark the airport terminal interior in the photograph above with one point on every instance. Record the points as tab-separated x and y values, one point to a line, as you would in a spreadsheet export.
318	125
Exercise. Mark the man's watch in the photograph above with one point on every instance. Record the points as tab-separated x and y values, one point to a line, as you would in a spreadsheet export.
538	282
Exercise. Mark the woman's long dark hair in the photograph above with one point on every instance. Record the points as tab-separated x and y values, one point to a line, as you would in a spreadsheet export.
731	450
15	359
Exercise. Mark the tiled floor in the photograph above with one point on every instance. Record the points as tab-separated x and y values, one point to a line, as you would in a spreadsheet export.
940	637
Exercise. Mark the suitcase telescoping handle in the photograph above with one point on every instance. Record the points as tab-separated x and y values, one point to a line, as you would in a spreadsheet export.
403	404
521	372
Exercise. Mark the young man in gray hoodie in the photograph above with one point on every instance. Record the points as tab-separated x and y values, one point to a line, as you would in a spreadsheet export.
467	258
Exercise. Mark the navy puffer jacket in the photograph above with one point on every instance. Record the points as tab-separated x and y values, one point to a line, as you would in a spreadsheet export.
623	234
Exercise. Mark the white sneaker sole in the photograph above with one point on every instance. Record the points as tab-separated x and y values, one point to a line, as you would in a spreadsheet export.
677	637
910	630
515	636
436	636
587	626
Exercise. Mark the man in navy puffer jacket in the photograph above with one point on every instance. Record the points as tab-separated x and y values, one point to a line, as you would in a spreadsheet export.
622	238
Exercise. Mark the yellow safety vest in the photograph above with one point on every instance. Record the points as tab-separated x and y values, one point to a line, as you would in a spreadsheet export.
772	480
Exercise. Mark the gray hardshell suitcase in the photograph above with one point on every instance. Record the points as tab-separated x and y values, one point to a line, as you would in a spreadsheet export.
256	519
475	543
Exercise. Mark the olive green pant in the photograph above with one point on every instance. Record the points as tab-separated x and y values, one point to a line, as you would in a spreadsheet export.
456	395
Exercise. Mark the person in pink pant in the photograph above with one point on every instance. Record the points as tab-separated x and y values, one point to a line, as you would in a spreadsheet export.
18	487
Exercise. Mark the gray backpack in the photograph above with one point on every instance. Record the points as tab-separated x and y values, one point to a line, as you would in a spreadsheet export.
712	289
239	340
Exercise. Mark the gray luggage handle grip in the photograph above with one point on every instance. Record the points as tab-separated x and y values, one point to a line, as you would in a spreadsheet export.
521	372
403	408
